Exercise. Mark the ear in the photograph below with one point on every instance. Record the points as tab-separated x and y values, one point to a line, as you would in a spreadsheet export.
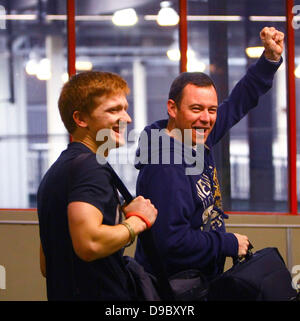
172	108
80	119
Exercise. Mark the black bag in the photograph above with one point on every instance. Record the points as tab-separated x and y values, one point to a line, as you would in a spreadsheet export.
262	276
143	284
189	285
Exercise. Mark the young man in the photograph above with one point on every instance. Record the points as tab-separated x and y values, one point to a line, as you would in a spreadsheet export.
81	229
189	230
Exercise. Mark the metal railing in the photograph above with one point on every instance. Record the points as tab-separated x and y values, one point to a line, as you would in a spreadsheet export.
239	166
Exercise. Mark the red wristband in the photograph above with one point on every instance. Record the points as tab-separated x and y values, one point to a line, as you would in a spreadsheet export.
141	216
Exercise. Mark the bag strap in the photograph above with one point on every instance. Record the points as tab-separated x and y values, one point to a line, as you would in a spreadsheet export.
148	244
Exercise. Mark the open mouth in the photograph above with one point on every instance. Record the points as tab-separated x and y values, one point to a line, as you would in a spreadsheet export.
201	130
119	130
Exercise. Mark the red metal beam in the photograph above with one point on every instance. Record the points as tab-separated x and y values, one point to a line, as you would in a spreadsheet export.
291	92
183	34
71	37
71	40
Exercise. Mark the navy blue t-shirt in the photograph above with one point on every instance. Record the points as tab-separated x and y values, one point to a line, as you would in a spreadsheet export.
77	176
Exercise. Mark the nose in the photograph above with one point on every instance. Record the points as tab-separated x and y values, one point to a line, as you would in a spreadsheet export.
125	117
204	116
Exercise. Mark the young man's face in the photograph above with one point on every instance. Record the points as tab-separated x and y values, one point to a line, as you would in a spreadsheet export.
110	114
197	112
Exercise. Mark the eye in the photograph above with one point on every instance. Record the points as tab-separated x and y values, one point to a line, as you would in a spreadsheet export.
212	110
113	110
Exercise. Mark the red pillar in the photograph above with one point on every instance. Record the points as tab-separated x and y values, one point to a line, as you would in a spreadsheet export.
183	34
291	91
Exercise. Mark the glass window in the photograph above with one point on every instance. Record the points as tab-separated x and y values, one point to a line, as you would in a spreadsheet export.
32	63
252	159
131	43
297	86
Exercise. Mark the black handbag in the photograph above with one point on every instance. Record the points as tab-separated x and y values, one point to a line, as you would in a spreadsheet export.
189	285
260	276
143	284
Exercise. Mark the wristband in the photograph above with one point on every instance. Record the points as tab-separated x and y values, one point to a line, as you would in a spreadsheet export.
131	232
141	216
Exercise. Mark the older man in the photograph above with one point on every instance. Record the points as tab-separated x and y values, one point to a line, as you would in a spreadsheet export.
189	231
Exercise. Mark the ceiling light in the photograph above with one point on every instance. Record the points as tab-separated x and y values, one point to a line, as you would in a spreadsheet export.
167	16
31	67
194	65
125	17
297	72
214	18
83	65
174	54
254	52
44	69
65	77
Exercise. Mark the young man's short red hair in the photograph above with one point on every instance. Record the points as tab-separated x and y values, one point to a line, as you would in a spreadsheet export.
80	91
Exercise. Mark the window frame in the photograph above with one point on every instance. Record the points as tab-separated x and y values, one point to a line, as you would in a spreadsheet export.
183	42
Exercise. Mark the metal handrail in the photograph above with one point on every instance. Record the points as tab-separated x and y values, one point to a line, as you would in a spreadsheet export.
288	227
20	222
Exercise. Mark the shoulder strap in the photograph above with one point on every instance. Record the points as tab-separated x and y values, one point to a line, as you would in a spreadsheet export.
148	244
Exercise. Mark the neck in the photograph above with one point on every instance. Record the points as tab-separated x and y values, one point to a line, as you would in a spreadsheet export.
170	124
86	140
174	132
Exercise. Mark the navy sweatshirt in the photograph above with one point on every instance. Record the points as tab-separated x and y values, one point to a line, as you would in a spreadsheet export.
189	230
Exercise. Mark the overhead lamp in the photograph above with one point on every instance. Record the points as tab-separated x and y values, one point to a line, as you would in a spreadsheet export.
31	67
83	65
32	64
297	72
65	77
44	69
125	17
174	54
195	65
167	16
254	52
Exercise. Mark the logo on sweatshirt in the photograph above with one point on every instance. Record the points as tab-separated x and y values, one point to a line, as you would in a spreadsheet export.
296	278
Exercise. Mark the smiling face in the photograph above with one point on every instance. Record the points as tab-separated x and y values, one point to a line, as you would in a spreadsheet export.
197	112
110	115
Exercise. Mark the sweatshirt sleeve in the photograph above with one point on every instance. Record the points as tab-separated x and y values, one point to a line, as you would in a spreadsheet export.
181	245
244	96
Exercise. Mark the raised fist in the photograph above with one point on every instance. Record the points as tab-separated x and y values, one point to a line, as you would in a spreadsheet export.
273	41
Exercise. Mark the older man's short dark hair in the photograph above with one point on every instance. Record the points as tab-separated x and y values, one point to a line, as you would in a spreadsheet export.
198	79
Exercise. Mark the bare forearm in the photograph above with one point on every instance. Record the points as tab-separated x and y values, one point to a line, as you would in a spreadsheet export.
106	239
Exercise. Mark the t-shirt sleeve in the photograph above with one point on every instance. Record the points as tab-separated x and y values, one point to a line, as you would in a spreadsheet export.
89	182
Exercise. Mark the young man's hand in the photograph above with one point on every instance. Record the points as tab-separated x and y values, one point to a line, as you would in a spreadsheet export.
143	206
273	41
